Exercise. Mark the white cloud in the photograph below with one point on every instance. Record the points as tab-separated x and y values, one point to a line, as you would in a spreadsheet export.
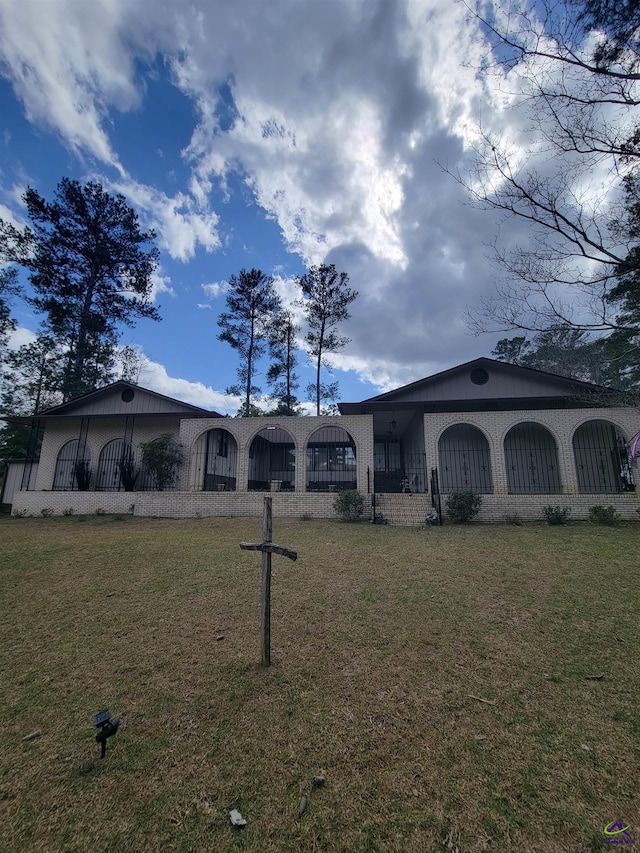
156	378
67	64
215	289
160	284
180	225
21	336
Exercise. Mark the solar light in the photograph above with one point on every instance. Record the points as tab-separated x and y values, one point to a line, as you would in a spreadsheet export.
108	726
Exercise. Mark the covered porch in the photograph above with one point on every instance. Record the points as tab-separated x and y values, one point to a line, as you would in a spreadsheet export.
399	460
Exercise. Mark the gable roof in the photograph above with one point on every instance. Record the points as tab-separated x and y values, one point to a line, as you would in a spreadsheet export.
120	398
483	382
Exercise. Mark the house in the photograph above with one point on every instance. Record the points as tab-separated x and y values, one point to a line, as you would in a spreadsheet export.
520	437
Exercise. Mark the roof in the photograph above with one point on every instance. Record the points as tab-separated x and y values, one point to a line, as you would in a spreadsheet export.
118	398
510	384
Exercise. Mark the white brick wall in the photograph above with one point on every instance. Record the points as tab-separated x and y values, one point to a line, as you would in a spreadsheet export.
101	430
244	430
185	503
181	504
561	423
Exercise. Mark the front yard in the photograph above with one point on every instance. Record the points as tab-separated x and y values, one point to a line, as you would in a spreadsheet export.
471	688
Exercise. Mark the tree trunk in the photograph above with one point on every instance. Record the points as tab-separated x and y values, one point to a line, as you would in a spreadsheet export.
250	366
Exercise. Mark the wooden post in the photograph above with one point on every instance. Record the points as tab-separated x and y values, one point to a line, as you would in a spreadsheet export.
265	611
268	548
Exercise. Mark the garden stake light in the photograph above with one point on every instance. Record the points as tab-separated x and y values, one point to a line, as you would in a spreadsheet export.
108	726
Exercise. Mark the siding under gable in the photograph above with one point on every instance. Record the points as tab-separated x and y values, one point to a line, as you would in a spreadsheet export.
502	384
142	403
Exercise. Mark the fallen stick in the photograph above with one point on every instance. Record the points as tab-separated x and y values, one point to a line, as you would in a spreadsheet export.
480	699
32	735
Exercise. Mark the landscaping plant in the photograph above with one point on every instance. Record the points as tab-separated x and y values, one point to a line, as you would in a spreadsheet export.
556	514
462	507
349	505
606	515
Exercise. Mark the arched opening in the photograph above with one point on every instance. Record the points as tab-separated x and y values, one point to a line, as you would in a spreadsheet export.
73	467
272	461
464	460
219	462
531	457
331	460
601	459
116	467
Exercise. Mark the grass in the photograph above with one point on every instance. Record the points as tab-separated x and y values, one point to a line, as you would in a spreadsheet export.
380	637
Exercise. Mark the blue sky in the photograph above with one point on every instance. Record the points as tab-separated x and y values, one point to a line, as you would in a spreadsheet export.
274	135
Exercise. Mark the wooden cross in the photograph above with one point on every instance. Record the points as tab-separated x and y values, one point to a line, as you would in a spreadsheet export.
268	548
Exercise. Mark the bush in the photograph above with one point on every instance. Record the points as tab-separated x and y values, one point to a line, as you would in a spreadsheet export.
46	512
162	457
349	505
514	519
19	513
556	514
68	511
463	507
82	473
100	511
128	473
606	515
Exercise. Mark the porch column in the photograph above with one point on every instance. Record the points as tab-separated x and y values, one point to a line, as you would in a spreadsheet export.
242	468
430	429
499	479
566	461
300	481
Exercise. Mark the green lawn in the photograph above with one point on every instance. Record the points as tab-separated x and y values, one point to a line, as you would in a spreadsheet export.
381	637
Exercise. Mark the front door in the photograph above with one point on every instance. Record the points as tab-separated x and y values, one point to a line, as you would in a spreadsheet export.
389	473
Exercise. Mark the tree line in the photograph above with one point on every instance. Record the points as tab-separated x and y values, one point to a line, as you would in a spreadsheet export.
90	267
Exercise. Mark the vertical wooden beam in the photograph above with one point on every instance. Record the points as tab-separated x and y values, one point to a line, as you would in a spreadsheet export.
265	615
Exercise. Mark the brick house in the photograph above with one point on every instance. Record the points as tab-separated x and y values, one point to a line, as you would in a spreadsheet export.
520	437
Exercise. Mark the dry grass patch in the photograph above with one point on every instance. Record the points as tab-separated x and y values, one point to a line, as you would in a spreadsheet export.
380	638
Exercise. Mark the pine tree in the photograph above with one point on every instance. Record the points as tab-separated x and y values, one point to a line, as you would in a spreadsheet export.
281	374
251	304
90	270
326	298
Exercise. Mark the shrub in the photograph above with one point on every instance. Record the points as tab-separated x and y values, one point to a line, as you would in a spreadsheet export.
82	473
306	516
46	512
513	518
556	514
19	513
68	511
606	515
349	505
100	511
129	473
463	507
162	457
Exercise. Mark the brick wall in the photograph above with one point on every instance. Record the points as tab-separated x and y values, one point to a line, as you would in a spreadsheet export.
561	423
188	500
180	504
82	503
101	431
244	430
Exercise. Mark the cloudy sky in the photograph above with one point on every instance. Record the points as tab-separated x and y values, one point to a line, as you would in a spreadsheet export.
275	135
